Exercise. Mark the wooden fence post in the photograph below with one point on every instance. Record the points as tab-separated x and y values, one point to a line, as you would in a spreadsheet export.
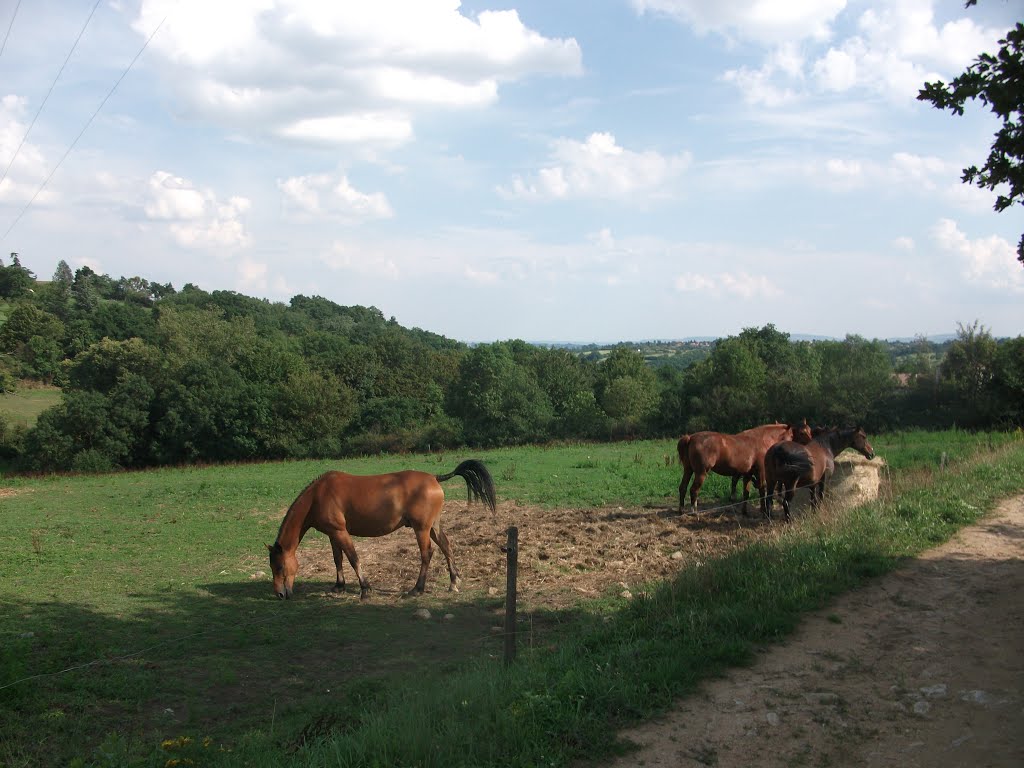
512	552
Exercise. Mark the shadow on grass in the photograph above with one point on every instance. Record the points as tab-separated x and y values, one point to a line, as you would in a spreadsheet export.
226	658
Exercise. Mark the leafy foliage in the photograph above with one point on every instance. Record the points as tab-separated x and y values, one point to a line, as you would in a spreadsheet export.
153	376
998	82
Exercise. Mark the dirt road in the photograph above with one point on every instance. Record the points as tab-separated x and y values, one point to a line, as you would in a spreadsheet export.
924	667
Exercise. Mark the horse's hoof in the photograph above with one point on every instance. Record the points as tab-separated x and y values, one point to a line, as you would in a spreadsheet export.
453	587
339	588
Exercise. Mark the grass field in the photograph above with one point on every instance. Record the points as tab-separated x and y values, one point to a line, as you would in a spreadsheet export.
24	406
136	630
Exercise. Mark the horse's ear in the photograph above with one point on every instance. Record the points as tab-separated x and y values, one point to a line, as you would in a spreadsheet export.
270	548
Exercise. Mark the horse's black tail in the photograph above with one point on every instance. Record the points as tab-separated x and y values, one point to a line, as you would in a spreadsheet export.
478	481
791	460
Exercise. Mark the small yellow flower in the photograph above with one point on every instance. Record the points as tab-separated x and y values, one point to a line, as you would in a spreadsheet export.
168	743
172	762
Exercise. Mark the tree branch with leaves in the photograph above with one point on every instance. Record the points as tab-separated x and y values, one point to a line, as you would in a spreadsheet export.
998	82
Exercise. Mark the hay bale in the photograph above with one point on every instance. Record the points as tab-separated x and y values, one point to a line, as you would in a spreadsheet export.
856	480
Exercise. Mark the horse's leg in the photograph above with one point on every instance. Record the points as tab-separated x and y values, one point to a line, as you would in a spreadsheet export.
439	537
821	490
746	491
735	481
426	552
349	548
339	559
698	481
787	497
687	474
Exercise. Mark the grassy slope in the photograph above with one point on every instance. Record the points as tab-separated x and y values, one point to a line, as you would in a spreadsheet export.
160	562
24	406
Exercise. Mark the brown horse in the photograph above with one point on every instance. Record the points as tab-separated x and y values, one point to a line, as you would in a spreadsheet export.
790	465
341	506
737	455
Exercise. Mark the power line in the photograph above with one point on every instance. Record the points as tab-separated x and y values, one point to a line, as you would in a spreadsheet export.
4	44
84	128
52	86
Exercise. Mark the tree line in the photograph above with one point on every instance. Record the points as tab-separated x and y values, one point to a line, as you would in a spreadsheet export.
156	376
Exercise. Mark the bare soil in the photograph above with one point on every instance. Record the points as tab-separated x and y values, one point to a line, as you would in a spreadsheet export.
564	554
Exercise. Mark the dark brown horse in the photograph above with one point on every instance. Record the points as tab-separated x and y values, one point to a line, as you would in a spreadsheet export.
736	456
790	465
341	506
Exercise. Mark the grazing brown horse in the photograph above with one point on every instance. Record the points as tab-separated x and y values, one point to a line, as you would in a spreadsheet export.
790	465
341	506
738	455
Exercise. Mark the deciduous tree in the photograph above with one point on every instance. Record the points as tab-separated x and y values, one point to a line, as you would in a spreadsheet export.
997	81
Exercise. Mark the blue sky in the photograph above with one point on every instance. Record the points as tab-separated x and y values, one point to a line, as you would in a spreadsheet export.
579	171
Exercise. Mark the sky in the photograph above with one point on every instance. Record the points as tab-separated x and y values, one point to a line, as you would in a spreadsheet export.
593	171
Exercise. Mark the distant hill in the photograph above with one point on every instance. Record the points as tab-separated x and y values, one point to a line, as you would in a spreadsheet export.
938	338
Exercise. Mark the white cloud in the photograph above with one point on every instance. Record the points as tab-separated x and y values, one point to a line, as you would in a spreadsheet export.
904	243
836	70
740	284
900	47
599	167
326	195
761	20
349	129
990	261
844	170
195	217
890	52
342	72
603	239
757	87
484	277
363	260
28	167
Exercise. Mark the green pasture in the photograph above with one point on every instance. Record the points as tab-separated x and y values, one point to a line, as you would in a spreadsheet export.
135	628
23	406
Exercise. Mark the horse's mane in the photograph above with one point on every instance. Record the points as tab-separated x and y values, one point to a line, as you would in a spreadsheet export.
302	493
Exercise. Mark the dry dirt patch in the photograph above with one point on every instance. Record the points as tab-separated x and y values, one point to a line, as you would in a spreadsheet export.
564	554
924	667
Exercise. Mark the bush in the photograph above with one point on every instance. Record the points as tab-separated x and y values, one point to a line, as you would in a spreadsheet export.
12	438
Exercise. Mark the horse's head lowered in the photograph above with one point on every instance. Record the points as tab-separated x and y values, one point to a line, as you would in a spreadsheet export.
861	444
284	567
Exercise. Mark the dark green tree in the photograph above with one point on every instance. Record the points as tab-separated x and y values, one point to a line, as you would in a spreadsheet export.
567	380
32	337
15	280
55	297
498	400
967	375
1008	381
856	376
